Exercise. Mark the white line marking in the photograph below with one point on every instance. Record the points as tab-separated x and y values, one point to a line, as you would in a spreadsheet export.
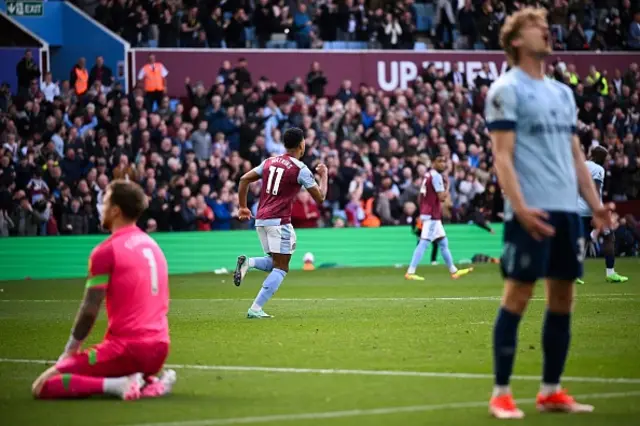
348	372
369	412
603	297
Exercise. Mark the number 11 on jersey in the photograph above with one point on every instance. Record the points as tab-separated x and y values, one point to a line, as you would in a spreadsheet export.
278	171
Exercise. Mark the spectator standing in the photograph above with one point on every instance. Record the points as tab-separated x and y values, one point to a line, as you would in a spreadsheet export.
153	76
48	88
467	24
202	142
576	39
316	81
79	78
204	214
6	224
74	220
444	22
326	20
102	74
213	27
392	32
26	72
302	27
168	30
488	27
189	28
634	32
264	22
28	220
234	30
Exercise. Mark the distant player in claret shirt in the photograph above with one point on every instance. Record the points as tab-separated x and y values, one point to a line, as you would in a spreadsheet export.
432	193
541	169
130	271
282	178
595	165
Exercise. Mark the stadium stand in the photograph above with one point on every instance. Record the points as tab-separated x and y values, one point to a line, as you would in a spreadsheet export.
62	142
358	24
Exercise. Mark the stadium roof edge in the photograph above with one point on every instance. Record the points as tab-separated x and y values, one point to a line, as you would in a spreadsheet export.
33	35
99	25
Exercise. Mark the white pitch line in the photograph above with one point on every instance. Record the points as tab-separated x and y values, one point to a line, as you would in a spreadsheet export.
368	412
602	297
350	372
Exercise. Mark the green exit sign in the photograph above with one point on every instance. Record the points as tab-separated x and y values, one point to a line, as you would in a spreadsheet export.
25	8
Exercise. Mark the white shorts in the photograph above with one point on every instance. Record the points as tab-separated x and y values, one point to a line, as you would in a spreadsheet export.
432	230
279	239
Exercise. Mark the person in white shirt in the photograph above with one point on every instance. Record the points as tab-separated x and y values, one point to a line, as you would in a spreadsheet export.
48	88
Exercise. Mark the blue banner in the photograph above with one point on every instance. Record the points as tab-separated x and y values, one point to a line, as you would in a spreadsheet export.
9	58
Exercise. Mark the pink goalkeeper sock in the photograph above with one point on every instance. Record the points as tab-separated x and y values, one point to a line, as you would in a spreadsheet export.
71	386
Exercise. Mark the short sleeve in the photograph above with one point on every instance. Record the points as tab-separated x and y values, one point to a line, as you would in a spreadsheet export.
501	107
437	182
100	266
164	72
259	169
598	175
305	178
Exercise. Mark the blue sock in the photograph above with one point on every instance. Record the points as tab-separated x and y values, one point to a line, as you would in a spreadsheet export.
556	334
418	252
262	263
269	287
610	261
446	254
505	342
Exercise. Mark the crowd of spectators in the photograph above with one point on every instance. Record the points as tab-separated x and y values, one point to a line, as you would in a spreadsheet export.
471	24
60	148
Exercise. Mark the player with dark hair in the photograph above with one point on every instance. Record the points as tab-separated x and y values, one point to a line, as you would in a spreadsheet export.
597	159
282	178
129	270
541	169
432	193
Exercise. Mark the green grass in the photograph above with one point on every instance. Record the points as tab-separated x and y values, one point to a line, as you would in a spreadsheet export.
411	328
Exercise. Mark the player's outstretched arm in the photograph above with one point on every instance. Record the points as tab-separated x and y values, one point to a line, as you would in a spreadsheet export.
248	178
319	192
85	318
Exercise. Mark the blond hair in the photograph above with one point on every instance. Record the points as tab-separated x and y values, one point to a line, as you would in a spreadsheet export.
513	26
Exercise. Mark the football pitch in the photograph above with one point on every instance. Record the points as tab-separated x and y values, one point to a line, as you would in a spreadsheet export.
346	346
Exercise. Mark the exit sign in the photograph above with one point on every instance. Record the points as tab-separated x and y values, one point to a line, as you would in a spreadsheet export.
25	8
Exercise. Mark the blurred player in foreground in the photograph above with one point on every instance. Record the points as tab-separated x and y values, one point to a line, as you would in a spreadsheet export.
595	165
432	193
541	168
130	271
282	178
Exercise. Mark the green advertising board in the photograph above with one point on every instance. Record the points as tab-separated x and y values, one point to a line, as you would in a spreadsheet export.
191	252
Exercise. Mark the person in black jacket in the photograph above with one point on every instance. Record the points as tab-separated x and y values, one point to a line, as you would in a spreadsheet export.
26	71
316	81
264	21
102	73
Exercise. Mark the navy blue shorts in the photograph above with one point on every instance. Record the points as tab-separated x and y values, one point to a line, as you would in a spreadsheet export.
559	257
